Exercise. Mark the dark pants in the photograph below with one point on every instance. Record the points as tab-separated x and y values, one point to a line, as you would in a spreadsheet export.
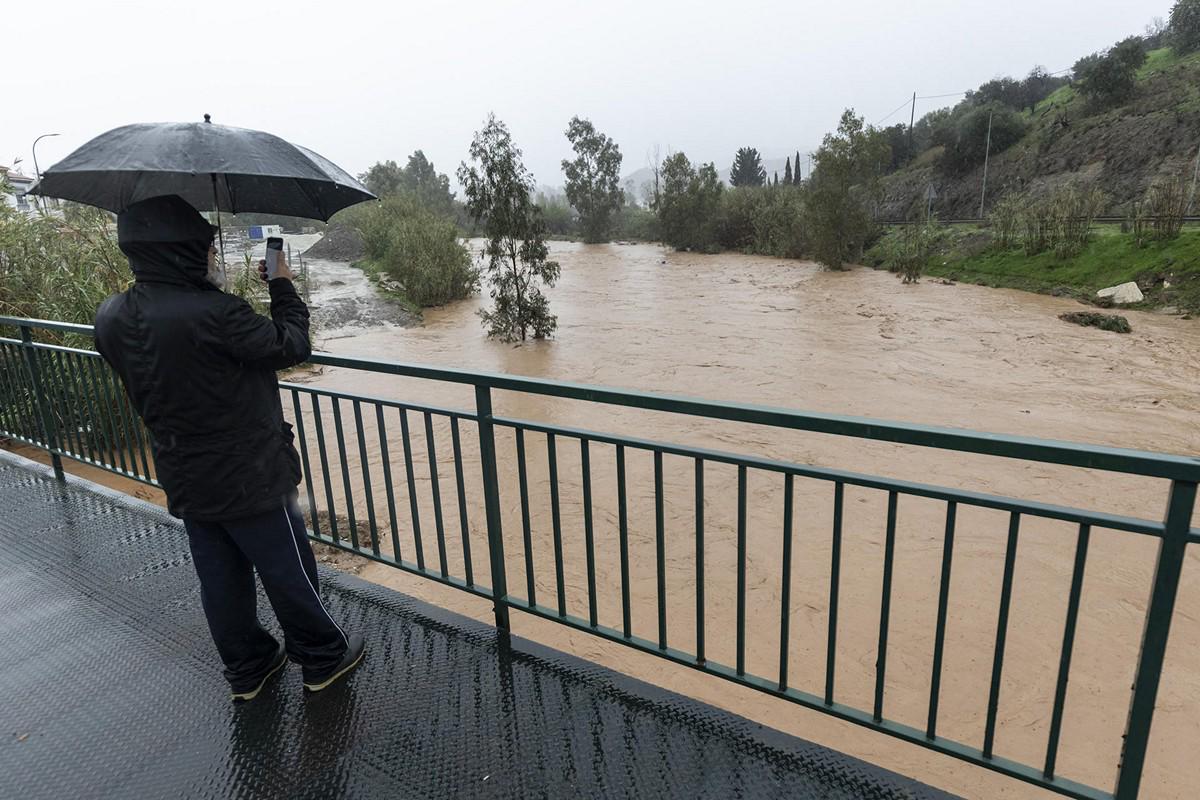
226	555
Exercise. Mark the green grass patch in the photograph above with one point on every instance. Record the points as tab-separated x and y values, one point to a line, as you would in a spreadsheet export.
1165	59
1107	260
1157	61
1059	97
1110	258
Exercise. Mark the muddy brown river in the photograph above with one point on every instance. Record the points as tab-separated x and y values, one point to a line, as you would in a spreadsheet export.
785	333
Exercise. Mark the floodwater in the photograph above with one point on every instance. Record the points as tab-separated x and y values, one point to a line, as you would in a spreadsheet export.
785	333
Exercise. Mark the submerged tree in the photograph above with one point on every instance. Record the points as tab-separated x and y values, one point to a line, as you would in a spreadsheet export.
593	179
747	169
498	190
688	206
842	184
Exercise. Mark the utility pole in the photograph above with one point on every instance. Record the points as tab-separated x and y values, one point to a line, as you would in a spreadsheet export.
1195	175
912	120
987	151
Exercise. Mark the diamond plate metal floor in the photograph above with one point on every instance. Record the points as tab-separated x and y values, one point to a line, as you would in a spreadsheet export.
110	688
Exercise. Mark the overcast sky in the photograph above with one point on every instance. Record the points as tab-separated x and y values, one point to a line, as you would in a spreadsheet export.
365	81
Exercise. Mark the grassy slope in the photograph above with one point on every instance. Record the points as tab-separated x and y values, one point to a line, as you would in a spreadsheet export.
1171	88
1120	150
1110	258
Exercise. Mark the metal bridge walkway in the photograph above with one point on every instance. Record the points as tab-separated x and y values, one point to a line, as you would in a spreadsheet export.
109	688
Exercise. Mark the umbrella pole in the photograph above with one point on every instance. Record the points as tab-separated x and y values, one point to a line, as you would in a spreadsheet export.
220	231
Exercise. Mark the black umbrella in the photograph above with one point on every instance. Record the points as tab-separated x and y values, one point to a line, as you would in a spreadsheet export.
213	167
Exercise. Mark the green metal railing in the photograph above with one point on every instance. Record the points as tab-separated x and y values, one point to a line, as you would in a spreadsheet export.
66	401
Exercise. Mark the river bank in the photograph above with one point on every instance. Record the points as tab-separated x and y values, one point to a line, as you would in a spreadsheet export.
1168	273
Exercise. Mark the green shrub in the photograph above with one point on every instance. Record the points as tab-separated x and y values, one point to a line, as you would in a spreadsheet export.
779	225
558	215
735	226
907	251
419	250
59	268
638	224
1091	319
1061	221
1005	220
1160	214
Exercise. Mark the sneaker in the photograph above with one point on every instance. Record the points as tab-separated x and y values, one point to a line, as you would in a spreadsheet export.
276	665
352	658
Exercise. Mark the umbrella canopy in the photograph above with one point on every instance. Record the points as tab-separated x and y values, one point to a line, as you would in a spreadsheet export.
213	167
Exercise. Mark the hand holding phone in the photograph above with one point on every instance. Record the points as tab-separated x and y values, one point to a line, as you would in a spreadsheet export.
275	258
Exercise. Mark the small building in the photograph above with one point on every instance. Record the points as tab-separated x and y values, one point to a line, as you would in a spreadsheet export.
256	233
15	187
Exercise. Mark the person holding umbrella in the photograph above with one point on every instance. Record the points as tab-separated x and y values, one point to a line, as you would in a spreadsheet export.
199	366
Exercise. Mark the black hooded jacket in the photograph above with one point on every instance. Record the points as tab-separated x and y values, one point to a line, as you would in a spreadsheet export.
199	366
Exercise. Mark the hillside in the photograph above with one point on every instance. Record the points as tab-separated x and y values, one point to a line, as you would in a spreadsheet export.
1121	150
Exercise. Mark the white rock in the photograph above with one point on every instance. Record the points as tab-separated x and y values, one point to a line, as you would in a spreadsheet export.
1125	293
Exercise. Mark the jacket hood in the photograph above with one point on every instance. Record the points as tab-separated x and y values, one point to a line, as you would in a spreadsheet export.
166	241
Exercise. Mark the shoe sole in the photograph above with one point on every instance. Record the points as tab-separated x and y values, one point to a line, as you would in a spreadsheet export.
243	697
316	687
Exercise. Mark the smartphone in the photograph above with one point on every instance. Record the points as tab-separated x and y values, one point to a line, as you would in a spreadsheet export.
274	255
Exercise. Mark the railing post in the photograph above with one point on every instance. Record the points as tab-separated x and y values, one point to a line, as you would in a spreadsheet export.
39	399
1171	551
491	497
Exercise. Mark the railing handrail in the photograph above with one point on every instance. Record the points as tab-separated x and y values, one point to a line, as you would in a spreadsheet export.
38	410
1047	451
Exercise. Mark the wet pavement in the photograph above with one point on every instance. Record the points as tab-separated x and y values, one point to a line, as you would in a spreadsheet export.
112	689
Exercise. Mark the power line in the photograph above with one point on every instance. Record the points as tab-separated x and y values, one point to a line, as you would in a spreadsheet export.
893	113
945	96
957	94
